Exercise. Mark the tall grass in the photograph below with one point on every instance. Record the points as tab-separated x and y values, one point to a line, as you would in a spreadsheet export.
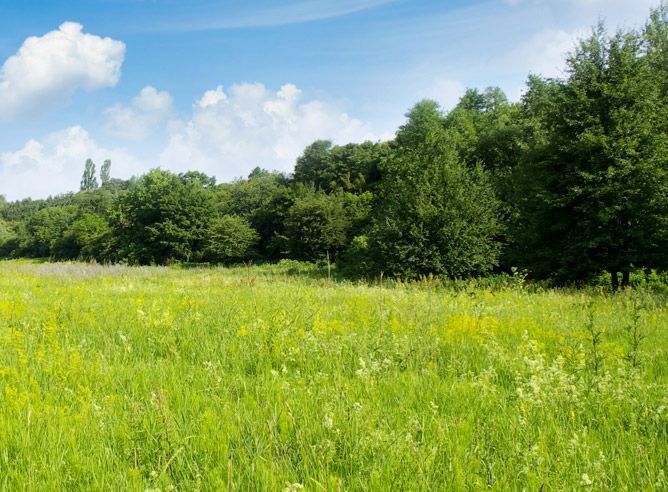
262	378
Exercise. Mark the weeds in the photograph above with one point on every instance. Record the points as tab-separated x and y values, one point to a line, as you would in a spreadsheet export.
634	333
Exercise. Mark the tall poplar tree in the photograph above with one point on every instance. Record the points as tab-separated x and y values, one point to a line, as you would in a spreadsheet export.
105	172
88	180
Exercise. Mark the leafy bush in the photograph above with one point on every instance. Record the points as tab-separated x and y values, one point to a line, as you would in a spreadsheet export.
230	238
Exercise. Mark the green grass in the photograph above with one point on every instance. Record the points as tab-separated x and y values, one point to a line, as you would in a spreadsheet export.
263	379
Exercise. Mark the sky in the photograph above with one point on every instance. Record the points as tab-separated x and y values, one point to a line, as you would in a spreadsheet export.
224	86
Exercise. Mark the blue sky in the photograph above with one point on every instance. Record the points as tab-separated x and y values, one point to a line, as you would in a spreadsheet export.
223	86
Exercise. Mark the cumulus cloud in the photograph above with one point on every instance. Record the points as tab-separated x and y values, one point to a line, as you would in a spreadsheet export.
47	70
136	121
229	133
54	164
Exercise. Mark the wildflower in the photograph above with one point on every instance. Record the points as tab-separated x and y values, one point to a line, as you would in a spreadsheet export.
293	487
586	481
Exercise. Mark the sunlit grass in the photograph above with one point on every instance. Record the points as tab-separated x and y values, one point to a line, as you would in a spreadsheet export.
257	378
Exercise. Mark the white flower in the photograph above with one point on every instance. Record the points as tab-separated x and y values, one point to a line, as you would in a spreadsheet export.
586	481
293	487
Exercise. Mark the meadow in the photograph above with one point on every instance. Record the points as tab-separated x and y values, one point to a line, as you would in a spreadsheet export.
277	378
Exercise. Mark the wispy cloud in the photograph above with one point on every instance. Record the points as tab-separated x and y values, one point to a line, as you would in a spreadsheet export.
207	15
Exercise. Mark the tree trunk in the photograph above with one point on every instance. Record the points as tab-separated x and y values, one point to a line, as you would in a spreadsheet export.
626	278
615	280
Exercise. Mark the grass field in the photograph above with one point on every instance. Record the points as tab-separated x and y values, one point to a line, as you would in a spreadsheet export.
118	378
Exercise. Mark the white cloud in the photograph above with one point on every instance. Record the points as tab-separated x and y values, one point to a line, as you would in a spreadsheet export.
543	54
47	70
136	121
213	97
444	91
55	164
230	133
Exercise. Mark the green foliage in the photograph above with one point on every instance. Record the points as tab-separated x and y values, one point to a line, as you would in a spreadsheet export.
230	238
105	173
435	214
353	168
7	240
595	183
4	231
45	229
262	200
88	235
162	218
89	180
318	224
198	179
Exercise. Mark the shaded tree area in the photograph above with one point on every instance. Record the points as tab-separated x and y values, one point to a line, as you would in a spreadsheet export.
569	182
594	178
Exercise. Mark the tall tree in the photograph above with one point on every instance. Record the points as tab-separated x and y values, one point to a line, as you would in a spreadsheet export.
434	213
596	183
88	180
162	218
105	172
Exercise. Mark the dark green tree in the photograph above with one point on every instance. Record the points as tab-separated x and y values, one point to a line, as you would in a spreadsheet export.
262	200
6	236
435	215
162	218
318	224
45	229
595	194
87	237
353	167
199	179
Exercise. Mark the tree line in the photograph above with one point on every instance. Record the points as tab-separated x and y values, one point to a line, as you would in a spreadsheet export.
569	182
